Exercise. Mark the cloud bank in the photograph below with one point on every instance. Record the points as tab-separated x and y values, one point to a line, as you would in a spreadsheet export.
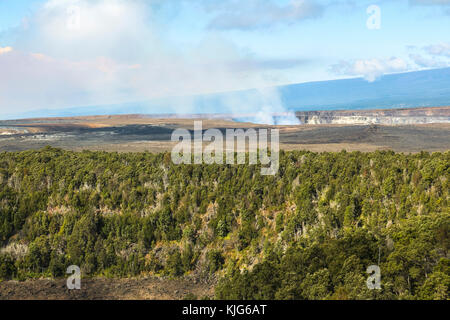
427	57
370	69
84	52
253	14
99	52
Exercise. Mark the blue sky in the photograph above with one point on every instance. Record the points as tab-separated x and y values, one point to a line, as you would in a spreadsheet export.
65	53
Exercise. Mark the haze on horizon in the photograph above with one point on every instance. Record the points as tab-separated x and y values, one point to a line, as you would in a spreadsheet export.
56	54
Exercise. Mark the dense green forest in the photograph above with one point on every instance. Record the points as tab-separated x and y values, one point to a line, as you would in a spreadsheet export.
309	232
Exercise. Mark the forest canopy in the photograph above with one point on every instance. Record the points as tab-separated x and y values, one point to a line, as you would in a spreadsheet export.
308	232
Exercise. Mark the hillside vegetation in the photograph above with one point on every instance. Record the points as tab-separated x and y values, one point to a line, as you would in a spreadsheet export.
309	232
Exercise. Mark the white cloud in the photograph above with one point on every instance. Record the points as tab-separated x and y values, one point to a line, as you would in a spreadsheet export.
114	28
441	49
425	62
116	54
5	50
261	13
370	69
432	56
35	80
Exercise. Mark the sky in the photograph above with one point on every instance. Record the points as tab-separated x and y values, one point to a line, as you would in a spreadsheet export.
57	54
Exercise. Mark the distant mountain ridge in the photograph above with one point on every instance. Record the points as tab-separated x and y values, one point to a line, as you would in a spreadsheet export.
412	89
405	90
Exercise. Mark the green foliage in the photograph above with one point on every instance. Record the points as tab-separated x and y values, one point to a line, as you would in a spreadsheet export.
309	232
215	260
